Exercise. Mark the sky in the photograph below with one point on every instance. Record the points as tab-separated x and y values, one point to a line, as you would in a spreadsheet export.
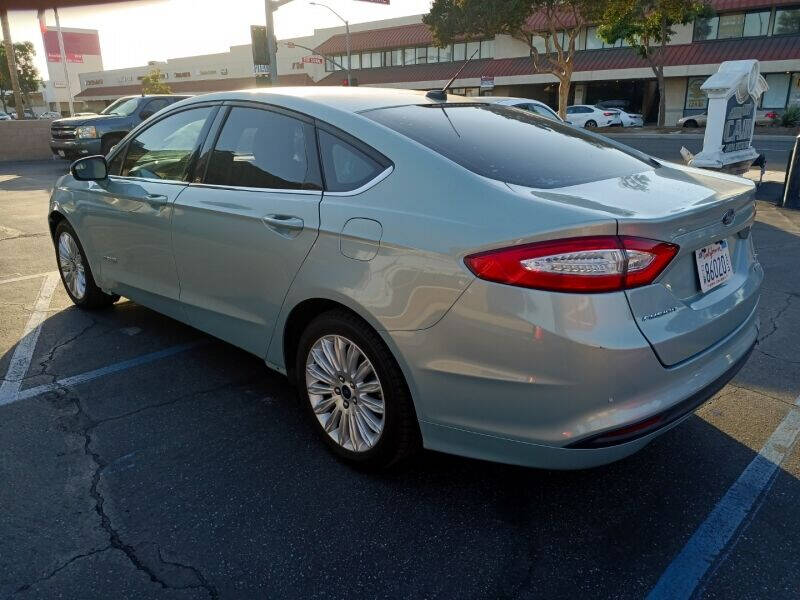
132	33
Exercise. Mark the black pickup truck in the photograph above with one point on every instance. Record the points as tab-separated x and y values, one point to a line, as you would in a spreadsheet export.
74	137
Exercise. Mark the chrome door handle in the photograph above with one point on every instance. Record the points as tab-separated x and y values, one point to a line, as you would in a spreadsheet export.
285	225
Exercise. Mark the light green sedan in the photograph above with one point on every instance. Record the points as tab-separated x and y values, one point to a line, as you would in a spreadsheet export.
428	270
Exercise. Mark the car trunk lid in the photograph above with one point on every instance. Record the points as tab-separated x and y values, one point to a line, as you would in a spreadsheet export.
693	209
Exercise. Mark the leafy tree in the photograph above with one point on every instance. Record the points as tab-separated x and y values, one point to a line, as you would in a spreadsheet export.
27	74
152	83
451	20
647	25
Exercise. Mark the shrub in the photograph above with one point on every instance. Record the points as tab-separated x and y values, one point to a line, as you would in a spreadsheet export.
791	116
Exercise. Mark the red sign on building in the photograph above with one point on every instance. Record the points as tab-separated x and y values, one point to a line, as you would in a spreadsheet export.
76	45
314	60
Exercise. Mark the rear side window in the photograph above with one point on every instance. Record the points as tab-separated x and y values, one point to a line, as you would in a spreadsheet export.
510	145
264	149
346	167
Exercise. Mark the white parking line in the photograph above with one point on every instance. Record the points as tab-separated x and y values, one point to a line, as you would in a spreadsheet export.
687	569
97	373
21	359
26	277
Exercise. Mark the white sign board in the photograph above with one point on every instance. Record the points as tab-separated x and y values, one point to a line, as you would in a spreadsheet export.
733	94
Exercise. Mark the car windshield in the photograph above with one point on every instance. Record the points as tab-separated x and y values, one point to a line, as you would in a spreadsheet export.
522	148
122	107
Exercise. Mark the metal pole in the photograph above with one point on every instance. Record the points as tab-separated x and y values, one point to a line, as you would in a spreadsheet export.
64	61
271	46
12	63
349	64
791	187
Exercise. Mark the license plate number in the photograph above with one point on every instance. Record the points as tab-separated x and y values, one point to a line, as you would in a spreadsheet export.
61	153
713	265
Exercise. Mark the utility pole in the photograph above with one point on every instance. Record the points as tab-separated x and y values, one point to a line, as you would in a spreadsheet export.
272	47
64	62
12	63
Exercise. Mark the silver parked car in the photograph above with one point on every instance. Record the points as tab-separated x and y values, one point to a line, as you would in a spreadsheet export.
465	276
534	106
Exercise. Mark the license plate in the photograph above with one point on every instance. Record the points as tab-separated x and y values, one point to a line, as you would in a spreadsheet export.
713	265
61	153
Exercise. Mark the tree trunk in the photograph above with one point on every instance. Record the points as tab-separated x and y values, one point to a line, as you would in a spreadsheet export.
12	63
662	97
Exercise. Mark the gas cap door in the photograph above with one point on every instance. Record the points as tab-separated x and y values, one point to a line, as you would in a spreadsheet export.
360	238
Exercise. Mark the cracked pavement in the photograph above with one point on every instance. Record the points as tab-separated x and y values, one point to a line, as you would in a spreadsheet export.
196	476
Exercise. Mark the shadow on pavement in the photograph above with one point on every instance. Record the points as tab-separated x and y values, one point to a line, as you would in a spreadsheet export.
28	176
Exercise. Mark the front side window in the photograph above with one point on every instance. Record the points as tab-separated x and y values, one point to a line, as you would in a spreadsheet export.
346	167
156	105
523	149
264	149
165	149
122	107
786	21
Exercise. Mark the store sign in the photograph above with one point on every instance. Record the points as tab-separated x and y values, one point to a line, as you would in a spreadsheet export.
487	82
738	130
313	60
76	45
91	82
695	97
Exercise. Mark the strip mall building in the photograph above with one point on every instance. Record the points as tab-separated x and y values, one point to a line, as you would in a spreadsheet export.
400	53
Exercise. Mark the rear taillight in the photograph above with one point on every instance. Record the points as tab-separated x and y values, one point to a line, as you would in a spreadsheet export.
586	264
608	114
771	115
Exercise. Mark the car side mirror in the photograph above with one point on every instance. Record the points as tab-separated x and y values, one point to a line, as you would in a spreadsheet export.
146	114
90	168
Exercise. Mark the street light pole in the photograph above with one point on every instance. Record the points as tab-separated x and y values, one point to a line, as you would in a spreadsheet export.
347	37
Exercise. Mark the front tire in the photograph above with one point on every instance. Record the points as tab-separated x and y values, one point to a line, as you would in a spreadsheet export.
354	392
76	275
590	124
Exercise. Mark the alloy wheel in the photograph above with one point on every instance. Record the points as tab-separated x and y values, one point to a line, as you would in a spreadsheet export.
71	264
345	392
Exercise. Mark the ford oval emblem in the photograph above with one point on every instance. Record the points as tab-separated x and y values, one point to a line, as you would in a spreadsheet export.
728	217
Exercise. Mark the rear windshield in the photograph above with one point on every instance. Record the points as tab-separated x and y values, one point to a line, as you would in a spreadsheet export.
511	145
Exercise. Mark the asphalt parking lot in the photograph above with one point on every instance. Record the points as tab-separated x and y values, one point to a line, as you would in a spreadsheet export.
140	458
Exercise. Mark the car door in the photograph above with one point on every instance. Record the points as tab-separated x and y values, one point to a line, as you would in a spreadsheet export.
128	215
242	230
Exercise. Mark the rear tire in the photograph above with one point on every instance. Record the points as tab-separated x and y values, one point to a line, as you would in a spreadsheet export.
691	124
590	124
354	392
76	275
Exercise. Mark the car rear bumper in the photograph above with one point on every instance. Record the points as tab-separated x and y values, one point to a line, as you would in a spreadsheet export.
531	378
83	147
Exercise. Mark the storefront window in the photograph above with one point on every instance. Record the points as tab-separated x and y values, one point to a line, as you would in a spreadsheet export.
408	56
756	23
376	59
593	41
786	21
459	51
355	61
366	60
537	41
397	58
471	48
794	90
446	53
706	29
487	49
387	58
433	54
696	98
775	96
730	26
